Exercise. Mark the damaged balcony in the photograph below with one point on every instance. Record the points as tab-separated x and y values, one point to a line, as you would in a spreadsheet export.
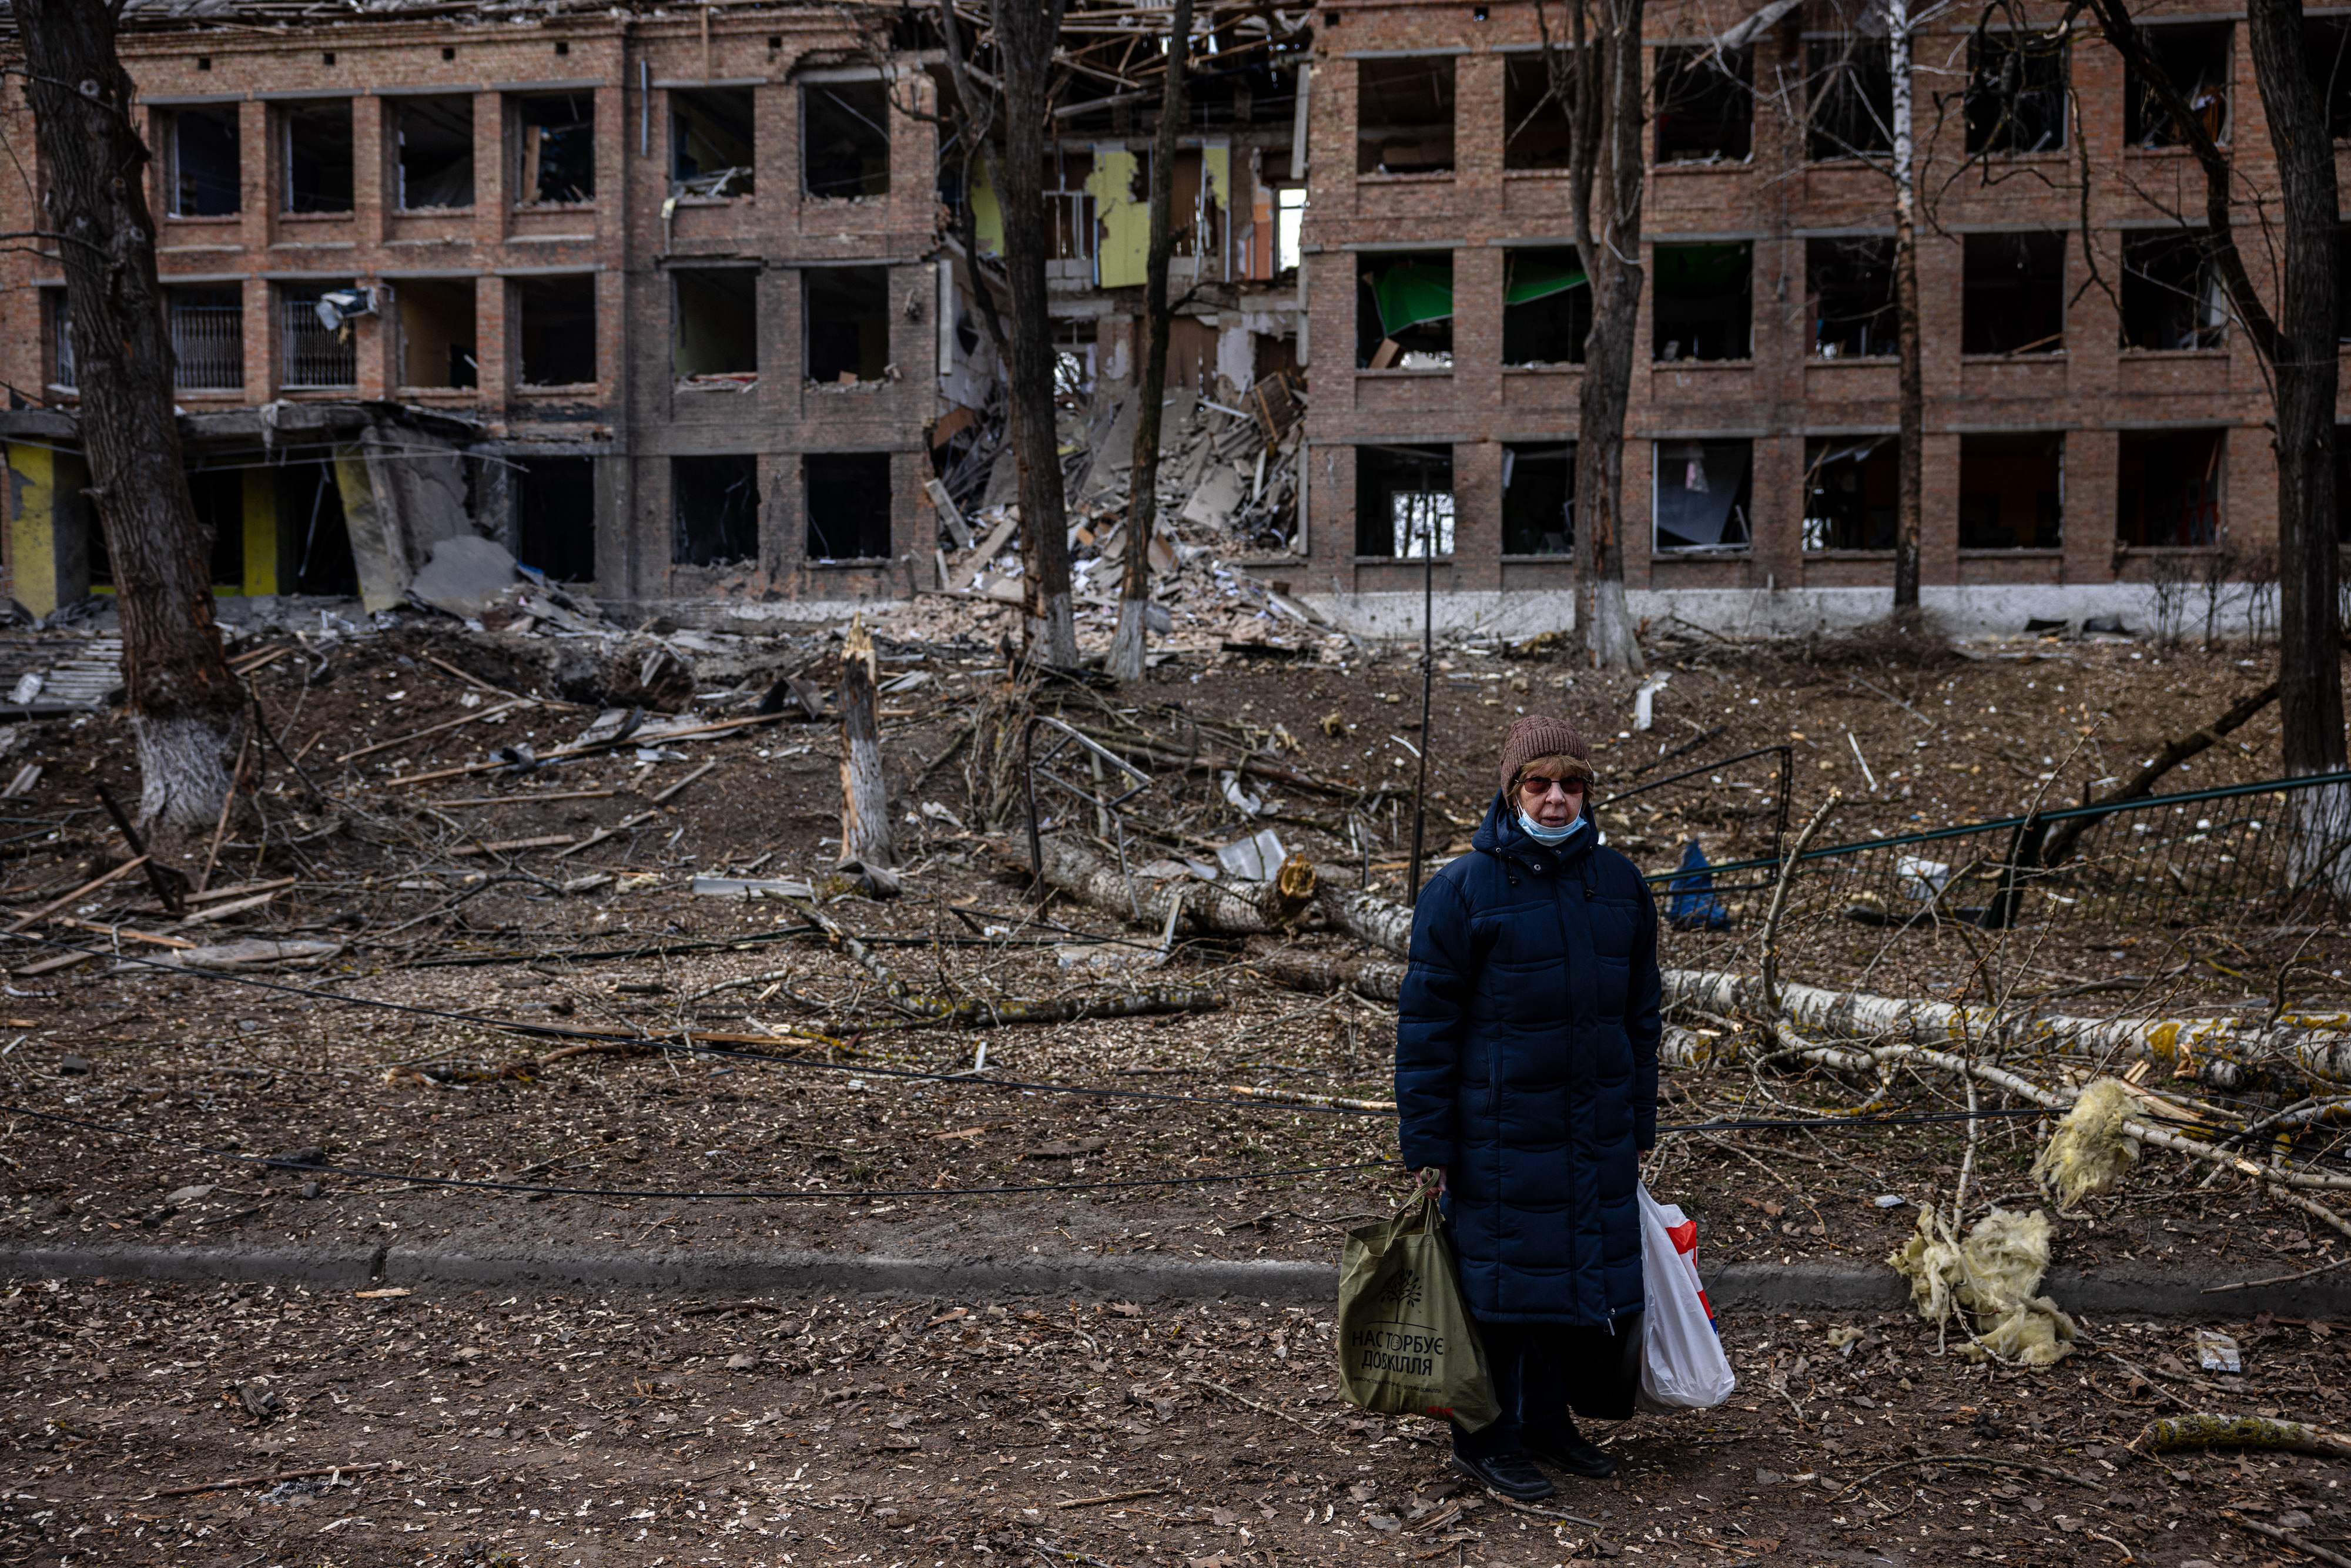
845	140
436	343
714	329
711	144
848	325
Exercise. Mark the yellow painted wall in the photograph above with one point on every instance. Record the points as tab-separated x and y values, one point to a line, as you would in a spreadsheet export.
32	523
1125	222
260	531
986	211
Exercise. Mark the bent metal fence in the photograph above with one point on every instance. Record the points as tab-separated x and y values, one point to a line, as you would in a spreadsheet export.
2241	852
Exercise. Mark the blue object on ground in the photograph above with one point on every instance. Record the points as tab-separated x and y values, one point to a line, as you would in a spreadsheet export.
1691	902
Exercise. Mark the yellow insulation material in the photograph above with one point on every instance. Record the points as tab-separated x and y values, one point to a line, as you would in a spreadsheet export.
1995	1275
2090	1152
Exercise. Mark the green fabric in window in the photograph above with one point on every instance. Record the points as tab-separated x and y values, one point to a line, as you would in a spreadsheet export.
1411	292
1532	277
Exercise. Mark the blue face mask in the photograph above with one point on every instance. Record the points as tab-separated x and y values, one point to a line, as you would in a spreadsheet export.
1542	835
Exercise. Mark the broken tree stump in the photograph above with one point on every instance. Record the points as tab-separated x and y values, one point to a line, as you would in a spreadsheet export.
864	794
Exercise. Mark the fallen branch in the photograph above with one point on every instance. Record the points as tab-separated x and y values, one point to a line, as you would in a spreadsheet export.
2287	1537
2062	838
1321	973
84	891
226	1482
1986	1461
2207	1429
1128	1496
1780	885
1299	1097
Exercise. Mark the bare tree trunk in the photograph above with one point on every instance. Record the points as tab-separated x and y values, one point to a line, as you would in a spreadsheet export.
865	793
1127	643
185	707
1911	382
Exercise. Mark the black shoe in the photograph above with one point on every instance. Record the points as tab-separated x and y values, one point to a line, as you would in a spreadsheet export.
1512	1474
1569	1451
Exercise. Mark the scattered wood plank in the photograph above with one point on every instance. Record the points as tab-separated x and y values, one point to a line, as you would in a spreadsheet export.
663	798
84	891
121	932
513	846
228	1483
487	713
601	834
473	802
223	911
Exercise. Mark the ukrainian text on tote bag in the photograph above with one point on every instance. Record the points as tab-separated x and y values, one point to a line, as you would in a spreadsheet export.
1407	1346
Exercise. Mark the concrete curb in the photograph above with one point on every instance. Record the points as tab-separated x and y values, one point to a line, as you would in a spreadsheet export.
1735	1287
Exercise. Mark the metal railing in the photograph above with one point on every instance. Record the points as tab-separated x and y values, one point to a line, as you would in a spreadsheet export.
208	346
1108	821
308	354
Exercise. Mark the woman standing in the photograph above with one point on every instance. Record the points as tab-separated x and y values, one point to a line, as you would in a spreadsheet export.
1527	1079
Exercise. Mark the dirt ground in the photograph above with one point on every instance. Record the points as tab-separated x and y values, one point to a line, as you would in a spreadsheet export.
871	1431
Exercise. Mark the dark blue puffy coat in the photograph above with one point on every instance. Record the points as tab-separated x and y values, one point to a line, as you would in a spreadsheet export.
1527	1066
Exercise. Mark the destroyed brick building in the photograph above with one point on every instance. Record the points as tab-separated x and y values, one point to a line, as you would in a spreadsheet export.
667	301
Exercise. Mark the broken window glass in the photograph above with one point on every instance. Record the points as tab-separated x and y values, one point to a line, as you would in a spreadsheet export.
2012	491
1546	308
1851	487
848	323
316	153
1704	304
2013	293
2168	488
710	141
202	161
2326	48
2173	297
2016	93
2194	57
436	332
1403	115
1703	495
1534	117
1704	112
1851	82
845	137
556	148
555	515
1403	501
557	332
714	324
714	509
1538	498
847	505
435	137
1850	280
1403	312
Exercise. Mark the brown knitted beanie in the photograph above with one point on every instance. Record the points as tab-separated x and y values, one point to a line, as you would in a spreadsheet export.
1538	736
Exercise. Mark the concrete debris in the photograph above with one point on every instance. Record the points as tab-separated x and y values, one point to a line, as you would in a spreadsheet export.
464	577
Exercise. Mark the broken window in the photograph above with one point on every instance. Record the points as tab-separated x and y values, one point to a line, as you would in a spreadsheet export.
315	150
1290	222
715	324
217	496
434	138
2195	58
1850	488
60	339
1546	308
1075	345
556	330
1704	305
555	515
2172	295
1534	117
714	509
556	147
2168	489
2013	293
1403	115
202	161
314	540
2016	93
1403	501
1538	498
845	137
207	324
1703	495
310	352
2012	491
1851	82
847	505
2326	48
1850	284
848	323
436	332
1403	312
710	141
1704	112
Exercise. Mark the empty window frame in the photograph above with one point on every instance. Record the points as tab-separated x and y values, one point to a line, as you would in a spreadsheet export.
2168	488
1704	306
1850	486
1077	346
1403	312
714	509
207	324
2013	293
555	148
845	139
848	310
1704	495
1403	501
2172	295
2326	47
1849	81
1534	117
555	515
202	161
432	145
710	141
1538	498
2016	93
1546	308
314	154
1849	286
314	539
1290	225
217	496
2195	58
555	330
437	345
2012	491
310	352
57	314
848	501
715	324
1704	112
1403	115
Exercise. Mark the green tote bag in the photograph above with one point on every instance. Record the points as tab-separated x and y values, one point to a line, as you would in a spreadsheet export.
1407	1346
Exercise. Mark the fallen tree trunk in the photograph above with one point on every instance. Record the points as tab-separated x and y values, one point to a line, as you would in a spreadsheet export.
2206	1429
1208	909
1377	978
1374	921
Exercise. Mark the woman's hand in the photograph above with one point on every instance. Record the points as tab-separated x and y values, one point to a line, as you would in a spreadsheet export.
1432	1176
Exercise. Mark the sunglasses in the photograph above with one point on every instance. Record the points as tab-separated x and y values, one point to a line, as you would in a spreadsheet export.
1541	788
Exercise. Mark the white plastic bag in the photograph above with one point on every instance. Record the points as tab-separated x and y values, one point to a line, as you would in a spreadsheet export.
1682	1364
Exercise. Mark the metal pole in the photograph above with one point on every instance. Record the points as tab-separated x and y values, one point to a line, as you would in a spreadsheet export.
1427	674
